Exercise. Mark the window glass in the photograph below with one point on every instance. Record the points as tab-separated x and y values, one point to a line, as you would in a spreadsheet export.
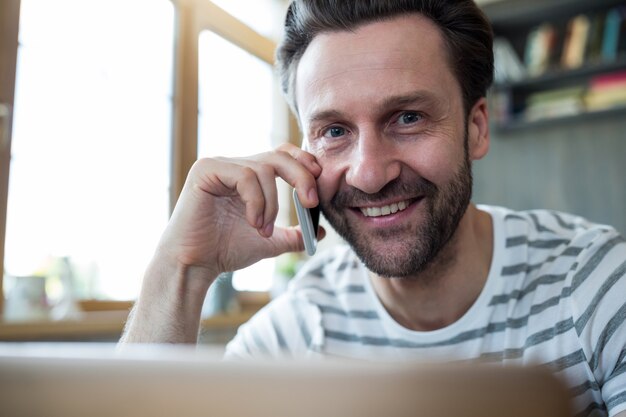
236	94
91	141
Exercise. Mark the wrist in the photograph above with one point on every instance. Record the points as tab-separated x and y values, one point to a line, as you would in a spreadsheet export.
170	303
174	278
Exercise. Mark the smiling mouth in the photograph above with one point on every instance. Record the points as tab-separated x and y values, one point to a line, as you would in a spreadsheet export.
385	210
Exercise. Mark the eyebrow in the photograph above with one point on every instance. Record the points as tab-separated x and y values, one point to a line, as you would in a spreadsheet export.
325	115
422	97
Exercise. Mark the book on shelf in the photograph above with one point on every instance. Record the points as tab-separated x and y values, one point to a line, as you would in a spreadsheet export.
608	81
554	103
582	40
540	45
606	91
575	42
614	37
507	65
596	34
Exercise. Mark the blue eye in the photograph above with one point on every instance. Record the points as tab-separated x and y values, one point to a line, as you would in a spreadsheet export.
408	118
335	132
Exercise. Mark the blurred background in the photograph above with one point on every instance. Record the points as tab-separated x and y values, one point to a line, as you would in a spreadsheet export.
105	104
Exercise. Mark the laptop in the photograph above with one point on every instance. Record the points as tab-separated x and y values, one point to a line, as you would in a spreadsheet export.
75	380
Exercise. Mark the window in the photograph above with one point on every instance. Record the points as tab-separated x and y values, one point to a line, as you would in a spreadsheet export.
97	158
89	171
235	107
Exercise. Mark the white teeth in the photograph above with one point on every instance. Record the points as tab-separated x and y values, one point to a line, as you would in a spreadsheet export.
384	210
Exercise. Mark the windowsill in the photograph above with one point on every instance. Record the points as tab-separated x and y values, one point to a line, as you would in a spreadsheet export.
104	320
98	325
92	325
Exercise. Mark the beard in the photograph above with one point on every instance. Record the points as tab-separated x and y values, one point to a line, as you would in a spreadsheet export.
408	249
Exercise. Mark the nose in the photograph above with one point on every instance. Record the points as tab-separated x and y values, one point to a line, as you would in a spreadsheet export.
373	163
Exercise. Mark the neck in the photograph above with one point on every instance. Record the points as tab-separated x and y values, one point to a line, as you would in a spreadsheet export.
447	288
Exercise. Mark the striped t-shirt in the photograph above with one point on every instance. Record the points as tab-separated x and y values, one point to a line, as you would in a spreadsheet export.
555	295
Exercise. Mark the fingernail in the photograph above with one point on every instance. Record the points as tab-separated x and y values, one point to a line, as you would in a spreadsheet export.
268	230
259	221
312	194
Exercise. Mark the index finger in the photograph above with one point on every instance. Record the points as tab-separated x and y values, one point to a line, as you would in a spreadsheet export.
299	171
303	156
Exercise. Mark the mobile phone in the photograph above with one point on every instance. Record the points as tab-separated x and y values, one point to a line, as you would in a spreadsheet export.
309	221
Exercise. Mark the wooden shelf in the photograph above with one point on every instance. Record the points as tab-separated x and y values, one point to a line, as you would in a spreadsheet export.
558	77
92	325
510	15
515	125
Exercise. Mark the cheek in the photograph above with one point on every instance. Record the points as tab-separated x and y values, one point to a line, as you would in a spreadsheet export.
436	164
329	181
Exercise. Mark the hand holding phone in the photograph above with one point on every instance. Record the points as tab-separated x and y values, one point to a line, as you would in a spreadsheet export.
309	219
309	223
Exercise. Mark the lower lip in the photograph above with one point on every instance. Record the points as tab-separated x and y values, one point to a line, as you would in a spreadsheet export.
390	219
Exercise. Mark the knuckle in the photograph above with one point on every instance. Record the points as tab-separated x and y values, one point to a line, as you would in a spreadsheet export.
266	170
201	164
283	155
286	148
248	174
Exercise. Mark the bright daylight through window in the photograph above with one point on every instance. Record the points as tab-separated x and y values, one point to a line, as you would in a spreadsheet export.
91	143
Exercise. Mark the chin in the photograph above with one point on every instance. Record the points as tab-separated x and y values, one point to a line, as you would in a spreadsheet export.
399	260
396	252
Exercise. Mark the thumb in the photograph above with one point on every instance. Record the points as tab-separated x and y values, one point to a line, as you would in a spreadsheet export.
289	239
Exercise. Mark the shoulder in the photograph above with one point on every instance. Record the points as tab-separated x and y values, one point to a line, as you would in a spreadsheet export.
556	254
552	231
579	268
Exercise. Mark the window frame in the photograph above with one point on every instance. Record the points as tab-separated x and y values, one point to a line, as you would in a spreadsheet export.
193	17
9	22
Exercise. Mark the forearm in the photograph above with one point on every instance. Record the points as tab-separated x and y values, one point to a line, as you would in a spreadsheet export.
169	305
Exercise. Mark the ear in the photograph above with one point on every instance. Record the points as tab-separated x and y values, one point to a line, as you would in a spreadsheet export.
478	130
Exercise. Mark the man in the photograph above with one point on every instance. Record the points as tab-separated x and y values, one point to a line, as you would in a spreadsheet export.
390	96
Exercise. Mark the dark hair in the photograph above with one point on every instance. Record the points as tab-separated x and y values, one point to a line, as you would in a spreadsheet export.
466	31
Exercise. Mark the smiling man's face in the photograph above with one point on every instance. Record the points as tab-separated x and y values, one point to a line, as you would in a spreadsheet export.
382	112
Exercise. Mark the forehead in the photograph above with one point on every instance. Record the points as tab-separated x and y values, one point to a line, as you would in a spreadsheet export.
394	56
